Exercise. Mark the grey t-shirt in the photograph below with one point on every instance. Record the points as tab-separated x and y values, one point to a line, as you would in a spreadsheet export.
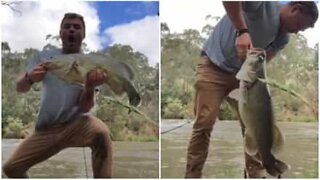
59	102
263	21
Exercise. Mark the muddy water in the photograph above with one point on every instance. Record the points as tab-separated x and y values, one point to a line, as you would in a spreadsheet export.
226	160
131	160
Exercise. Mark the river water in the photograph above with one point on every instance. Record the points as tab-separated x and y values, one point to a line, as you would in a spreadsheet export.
131	160
226	159
141	159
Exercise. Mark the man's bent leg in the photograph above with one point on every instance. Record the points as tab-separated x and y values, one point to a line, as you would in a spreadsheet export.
34	149
92	132
101	150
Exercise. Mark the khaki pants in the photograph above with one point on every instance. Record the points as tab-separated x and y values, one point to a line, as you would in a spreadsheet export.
41	145
212	86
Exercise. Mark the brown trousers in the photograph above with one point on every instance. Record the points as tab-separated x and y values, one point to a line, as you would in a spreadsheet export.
41	145
212	86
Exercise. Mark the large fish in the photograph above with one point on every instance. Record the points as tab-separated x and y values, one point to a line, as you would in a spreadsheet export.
73	68
255	108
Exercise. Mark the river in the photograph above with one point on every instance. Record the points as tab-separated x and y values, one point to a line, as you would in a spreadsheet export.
226	160
131	160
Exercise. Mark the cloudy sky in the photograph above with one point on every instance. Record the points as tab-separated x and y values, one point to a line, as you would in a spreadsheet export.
129	23
192	13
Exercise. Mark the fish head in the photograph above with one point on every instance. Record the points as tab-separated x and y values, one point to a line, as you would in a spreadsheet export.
255	61
73	68
54	65
67	70
76	72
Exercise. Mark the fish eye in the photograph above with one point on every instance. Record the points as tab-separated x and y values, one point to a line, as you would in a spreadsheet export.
75	64
260	58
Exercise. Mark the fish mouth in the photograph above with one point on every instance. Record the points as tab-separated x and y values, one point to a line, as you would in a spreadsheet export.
51	66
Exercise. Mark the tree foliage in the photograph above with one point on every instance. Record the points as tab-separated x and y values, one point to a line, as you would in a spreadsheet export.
296	67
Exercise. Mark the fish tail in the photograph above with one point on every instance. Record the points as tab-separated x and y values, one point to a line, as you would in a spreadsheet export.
274	166
134	97
278	140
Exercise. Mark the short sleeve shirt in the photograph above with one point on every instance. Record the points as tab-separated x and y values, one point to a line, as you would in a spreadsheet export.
263	21
59	102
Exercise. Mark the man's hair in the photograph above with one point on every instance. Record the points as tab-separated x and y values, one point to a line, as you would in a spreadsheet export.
74	16
308	8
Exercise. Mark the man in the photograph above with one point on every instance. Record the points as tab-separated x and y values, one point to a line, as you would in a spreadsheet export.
63	119
247	24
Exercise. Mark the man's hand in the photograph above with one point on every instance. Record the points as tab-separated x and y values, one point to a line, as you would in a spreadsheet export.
235	13
38	72
25	80
95	78
243	44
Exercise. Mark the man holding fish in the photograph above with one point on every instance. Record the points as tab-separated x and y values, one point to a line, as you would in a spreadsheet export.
63	119
246	25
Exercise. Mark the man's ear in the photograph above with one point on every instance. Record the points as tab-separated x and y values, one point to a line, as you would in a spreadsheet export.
296	8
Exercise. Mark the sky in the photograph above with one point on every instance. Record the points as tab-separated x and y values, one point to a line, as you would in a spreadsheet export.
192	13
110	22
107	22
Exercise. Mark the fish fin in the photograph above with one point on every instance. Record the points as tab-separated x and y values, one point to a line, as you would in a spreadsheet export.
241	95
250	144
235	94
246	75
79	84
278	140
275	167
241	73
282	166
133	95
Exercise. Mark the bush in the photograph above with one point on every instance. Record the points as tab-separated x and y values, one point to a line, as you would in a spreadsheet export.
226	112
174	109
14	129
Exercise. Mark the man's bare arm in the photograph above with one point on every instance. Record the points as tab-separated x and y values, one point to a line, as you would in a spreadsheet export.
22	84
243	41
87	99
235	13
25	80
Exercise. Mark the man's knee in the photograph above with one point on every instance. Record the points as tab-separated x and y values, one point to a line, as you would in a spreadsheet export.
203	127
102	139
12	171
8	169
205	119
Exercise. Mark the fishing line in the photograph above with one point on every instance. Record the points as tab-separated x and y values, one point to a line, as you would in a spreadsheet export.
177	127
